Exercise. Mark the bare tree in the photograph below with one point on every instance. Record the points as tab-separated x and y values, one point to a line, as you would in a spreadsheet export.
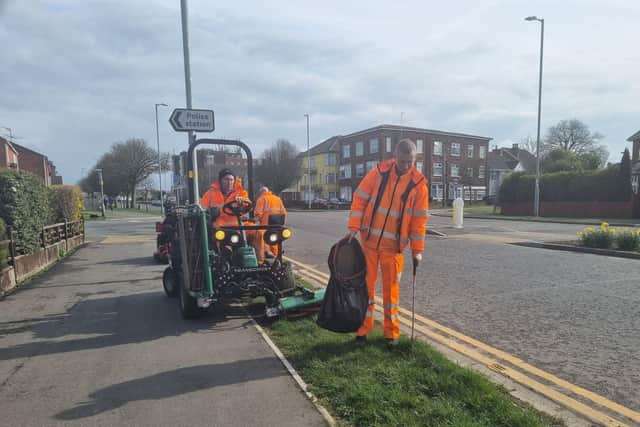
280	166
124	167
572	135
529	143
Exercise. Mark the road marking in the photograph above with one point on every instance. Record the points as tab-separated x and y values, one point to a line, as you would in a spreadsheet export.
515	375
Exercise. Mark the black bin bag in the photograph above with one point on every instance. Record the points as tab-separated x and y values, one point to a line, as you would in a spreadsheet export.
346	299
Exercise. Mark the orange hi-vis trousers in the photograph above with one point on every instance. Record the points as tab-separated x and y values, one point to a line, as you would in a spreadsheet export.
391	265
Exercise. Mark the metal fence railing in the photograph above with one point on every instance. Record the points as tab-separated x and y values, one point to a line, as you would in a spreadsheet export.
50	235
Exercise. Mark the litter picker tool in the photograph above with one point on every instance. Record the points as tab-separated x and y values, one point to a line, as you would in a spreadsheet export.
413	298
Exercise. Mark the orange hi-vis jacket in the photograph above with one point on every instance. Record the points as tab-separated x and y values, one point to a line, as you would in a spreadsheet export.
214	197
390	210
268	204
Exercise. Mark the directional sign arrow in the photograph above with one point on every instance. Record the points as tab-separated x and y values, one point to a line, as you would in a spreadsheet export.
185	120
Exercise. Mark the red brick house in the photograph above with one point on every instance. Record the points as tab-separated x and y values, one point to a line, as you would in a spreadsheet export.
8	155
36	163
453	161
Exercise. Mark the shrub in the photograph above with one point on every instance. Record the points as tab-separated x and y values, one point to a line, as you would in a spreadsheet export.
24	205
628	239
602	185
4	247
66	202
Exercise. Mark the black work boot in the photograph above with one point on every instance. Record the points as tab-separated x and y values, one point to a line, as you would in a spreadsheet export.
391	343
360	341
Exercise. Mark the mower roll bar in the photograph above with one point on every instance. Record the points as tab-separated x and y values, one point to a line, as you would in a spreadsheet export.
193	198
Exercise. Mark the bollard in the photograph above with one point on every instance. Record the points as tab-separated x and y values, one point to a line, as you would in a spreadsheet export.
458	212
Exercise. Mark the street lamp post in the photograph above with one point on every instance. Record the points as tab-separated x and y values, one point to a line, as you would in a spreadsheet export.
308	162
101	191
159	160
536	198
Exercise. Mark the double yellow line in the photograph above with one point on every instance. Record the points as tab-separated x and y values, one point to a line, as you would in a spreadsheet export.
494	359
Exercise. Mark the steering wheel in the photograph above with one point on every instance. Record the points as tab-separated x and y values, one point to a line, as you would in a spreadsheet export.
237	207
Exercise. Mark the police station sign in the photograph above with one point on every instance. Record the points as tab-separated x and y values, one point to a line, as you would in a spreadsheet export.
186	120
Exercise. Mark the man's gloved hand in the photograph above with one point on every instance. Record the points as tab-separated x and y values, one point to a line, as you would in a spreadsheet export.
350	235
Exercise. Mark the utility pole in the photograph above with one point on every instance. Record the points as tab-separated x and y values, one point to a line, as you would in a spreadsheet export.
308	162
184	9
536	198
101	191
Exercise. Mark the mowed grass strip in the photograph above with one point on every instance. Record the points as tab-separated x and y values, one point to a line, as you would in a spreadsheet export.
411	385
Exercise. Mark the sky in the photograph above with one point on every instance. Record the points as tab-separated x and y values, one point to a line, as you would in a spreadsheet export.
78	76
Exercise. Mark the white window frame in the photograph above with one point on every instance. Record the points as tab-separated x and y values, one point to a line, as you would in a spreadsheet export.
455	167
345	171
388	144
437	148
437	168
346	151
469	169
420	146
369	165
436	191
455	149
372	145
481	171
482	152
359	149
361	167
420	166
329	156
470	151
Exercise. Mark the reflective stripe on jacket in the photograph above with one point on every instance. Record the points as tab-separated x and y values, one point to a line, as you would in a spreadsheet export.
214	198
268	204
391	210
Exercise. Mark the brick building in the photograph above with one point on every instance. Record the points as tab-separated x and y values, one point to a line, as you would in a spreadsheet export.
18	157
8	155
455	161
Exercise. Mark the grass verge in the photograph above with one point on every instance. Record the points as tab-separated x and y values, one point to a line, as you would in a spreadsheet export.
409	386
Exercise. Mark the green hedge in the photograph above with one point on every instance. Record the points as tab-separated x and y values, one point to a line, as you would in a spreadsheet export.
601	185
4	247
66	202
25	205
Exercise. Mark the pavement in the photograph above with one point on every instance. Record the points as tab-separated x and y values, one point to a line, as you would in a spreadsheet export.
95	342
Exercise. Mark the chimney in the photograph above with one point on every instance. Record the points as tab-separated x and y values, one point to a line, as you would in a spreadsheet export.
514	150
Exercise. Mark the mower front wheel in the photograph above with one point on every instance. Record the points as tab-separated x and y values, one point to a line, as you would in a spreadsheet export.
188	305
170	282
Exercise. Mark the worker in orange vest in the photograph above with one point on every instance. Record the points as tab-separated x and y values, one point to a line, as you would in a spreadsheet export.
267	204
389	209
227	189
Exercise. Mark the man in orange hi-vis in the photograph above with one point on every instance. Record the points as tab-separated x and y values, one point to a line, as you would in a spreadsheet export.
389	209
266	204
226	190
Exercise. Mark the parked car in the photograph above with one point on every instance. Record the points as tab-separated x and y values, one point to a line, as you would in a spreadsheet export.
320	204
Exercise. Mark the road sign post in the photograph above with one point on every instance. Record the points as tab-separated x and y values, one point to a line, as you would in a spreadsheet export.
187	120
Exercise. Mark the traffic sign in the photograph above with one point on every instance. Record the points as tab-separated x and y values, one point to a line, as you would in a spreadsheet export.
185	120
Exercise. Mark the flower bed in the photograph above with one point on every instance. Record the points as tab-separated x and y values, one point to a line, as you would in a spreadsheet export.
605	237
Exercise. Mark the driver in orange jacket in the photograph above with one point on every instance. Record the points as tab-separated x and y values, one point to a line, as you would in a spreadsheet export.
226	190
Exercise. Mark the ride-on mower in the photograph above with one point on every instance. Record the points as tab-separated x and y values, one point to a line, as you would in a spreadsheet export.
210	264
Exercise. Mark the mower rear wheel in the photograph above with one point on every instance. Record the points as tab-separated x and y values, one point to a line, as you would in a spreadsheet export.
188	305
170	282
